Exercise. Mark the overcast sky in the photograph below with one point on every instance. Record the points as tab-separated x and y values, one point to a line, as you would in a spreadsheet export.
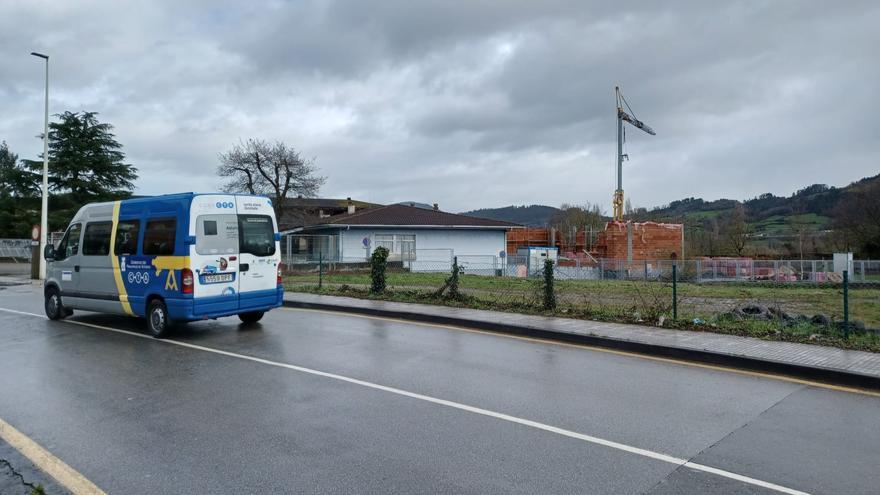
469	104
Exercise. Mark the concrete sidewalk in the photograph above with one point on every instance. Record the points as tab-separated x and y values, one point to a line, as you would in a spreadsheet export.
827	364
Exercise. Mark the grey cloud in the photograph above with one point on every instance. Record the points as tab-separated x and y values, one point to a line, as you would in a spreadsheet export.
469	104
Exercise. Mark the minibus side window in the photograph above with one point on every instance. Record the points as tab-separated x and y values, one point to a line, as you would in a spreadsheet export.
126	237
69	245
96	241
217	234
159	237
256	234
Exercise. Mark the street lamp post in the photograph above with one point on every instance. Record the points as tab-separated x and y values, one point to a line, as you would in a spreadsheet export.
44	212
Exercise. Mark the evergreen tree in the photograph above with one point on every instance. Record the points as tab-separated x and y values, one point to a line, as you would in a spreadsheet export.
85	160
19	205
15	181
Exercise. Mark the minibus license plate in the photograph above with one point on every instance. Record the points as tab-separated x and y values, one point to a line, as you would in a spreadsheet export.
221	277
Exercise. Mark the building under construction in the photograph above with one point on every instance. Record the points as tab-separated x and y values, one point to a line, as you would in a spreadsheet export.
621	239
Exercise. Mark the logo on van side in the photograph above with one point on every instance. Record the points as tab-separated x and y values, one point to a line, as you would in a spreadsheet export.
138	277
224	204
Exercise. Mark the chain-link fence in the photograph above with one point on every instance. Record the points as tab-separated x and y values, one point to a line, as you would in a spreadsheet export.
775	295
306	249
777	298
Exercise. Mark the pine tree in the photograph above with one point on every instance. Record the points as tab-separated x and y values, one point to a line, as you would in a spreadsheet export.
85	160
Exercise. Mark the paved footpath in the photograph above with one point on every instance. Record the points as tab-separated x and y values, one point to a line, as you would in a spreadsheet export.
831	364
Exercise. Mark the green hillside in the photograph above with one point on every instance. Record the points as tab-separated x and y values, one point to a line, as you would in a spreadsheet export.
530	216
807	223
811	208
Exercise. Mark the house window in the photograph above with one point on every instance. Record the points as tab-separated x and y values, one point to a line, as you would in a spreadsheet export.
400	247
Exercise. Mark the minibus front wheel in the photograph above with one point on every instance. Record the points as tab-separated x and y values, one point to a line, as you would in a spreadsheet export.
55	310
157	319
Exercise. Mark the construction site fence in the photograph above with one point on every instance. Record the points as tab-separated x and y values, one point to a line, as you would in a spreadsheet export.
700	291
695	271
723	270
17	250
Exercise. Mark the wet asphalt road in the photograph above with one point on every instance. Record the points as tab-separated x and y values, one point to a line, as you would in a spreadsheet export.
135	415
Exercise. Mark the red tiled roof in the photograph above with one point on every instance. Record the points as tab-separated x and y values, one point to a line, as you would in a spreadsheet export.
298	212
403	215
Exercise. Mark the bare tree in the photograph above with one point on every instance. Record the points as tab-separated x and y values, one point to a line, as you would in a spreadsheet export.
856	219
272	169
802	228
737	229
571	218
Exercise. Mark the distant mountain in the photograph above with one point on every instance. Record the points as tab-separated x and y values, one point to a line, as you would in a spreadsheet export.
810	208
530	216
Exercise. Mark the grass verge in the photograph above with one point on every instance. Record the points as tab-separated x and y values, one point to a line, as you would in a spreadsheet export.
644	304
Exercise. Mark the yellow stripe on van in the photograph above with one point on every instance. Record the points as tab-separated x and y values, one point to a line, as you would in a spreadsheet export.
117	275
170	263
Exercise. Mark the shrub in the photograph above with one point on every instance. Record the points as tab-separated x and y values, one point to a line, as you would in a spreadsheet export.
549	295
450	288
378	264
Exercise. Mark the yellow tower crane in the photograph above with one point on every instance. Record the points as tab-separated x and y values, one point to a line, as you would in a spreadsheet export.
622	116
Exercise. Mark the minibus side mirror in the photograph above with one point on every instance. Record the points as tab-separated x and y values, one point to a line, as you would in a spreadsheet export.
277	236
49	252
190	239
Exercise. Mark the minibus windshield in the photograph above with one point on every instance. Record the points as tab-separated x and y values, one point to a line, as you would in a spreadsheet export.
256	235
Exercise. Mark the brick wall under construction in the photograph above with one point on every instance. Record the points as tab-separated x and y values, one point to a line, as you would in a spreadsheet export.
650	241
519	238
575	241
639	241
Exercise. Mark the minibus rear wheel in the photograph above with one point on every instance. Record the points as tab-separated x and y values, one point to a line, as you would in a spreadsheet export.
251	317
157	319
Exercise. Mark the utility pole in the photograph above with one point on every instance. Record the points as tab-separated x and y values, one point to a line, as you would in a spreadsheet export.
617	202
44	212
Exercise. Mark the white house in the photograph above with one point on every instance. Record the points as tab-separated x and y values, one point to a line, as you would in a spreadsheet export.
423	239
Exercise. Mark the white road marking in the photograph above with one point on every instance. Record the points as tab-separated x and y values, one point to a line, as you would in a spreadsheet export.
455	405
65	475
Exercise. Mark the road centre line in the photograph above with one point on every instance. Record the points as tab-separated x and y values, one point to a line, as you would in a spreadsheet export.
455	405
839	388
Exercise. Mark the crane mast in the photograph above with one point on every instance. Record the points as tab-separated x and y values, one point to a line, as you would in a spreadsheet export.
622	116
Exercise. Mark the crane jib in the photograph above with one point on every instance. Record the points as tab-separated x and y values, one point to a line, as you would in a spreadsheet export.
635	122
